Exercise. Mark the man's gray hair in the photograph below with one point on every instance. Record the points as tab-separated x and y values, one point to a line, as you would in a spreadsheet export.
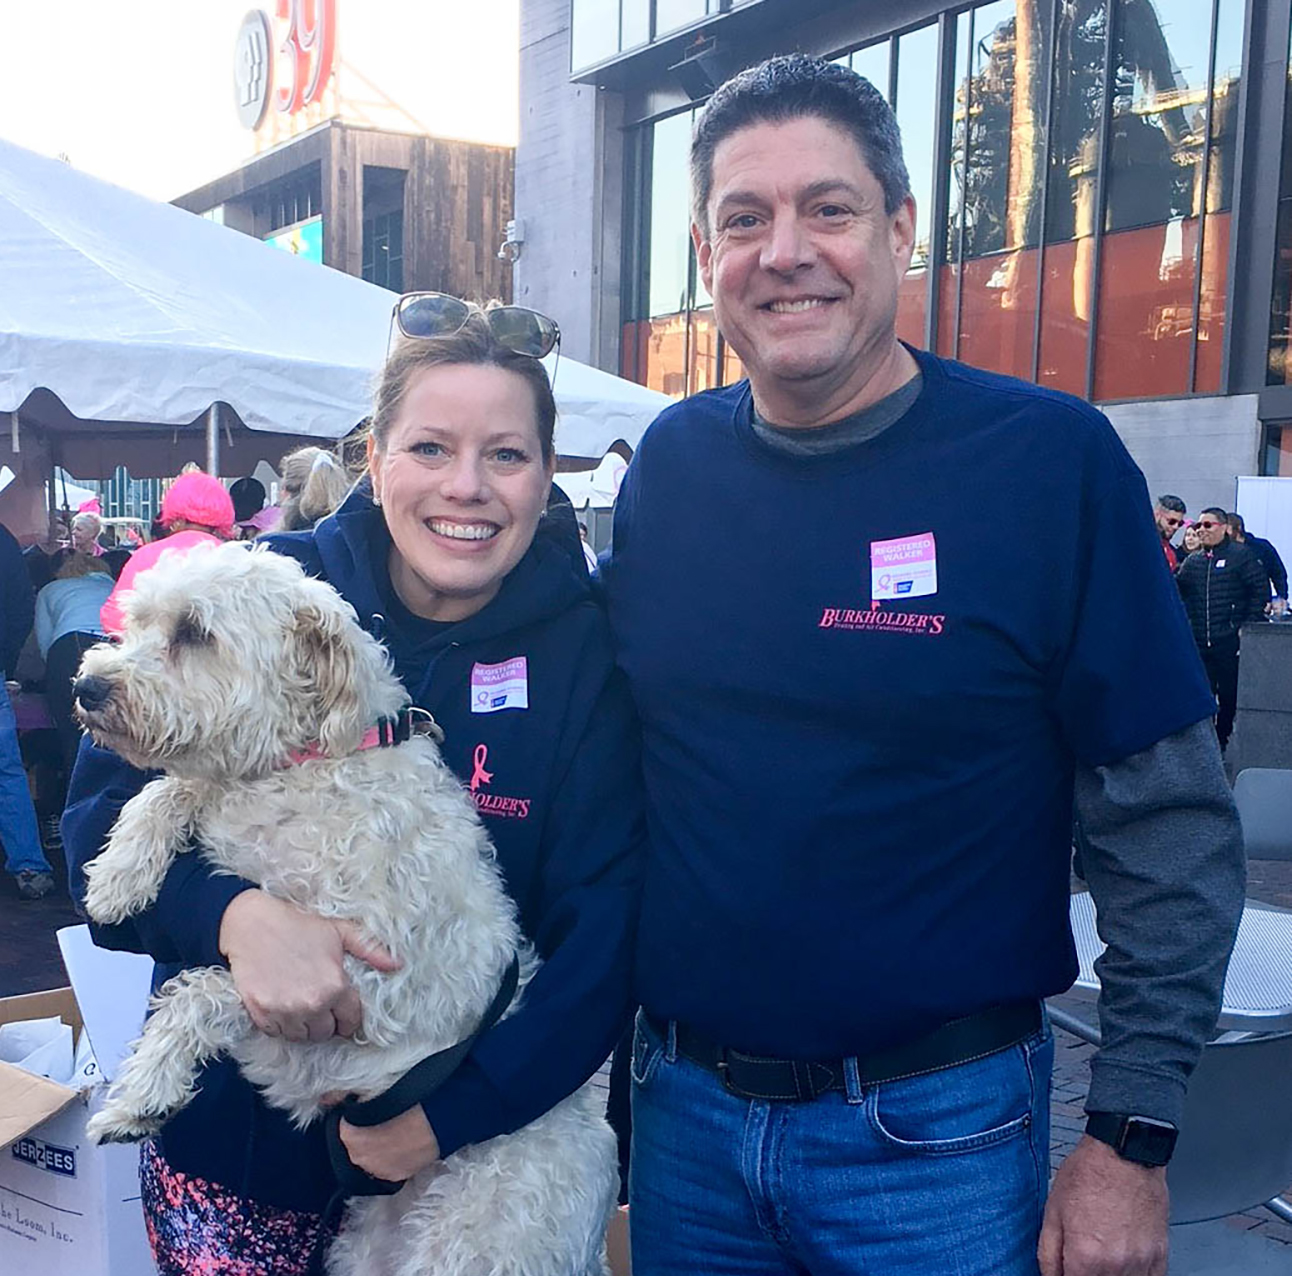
790	87
1172	503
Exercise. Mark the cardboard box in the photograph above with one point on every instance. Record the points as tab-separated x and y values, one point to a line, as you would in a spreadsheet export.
68	1208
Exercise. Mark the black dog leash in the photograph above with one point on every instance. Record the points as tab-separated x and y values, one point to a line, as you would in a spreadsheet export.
418	1083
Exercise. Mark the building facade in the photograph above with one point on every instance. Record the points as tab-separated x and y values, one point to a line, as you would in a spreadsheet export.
1104	195
402	210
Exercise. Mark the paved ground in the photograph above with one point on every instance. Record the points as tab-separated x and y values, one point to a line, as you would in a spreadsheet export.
1253	1244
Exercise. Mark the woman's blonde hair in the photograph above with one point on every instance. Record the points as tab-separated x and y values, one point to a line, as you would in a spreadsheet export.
314	483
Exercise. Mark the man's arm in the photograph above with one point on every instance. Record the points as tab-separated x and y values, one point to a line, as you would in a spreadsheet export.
1278	574
1167	870
1166	866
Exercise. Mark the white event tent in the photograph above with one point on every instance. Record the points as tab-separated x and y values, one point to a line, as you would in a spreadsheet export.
135	333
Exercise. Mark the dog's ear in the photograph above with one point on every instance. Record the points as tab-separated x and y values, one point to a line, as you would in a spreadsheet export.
325	636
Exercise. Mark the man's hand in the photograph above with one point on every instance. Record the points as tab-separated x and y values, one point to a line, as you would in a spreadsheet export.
395	1150
1105	1216
287	967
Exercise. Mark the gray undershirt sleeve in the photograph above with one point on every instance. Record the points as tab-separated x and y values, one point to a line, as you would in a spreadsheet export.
1167	869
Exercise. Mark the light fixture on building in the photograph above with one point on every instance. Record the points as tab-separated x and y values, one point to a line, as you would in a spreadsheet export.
702	69
514	243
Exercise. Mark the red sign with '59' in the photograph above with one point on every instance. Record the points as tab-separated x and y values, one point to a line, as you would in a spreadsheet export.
299	73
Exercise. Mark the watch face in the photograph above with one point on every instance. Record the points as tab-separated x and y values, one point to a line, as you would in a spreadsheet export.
1148	1142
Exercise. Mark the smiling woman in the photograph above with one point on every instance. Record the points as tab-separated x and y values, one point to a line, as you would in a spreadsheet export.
484	604
462	473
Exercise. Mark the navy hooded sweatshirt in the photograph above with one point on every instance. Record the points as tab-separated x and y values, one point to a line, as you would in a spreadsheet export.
538	725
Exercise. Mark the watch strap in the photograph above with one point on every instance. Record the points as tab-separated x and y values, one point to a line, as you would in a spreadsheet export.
1143	1140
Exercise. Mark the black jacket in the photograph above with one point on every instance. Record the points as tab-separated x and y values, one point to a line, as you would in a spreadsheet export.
562	803
1272	563
1223	589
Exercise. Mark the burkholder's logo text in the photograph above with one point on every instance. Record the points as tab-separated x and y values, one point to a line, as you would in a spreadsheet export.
880	618
515	808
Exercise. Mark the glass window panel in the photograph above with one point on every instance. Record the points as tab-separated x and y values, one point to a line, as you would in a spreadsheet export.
959	129
1065	318
1161	56
998	312
670	239
872	63
948	308
1161	51
636	23
1005	147
594	32
1225	94
1212	298
703	359
949	285
1075	119
1277	462
632	360
916	110
998	135
672	14
1146	310
663	355
1067	270
1280	361
1222	117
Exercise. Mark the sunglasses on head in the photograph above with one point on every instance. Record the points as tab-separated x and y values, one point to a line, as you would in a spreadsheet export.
422	315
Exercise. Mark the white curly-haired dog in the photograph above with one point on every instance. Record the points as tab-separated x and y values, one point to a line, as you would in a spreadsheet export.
232	663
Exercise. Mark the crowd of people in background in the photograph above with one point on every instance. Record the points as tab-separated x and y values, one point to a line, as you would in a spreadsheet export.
60	596
1227	579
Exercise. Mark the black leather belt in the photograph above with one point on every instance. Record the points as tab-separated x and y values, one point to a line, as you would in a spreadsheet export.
790	1080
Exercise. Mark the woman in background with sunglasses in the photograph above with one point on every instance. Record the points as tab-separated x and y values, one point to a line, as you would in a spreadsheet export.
450	553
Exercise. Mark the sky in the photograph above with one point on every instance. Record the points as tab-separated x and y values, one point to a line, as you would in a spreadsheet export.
140	92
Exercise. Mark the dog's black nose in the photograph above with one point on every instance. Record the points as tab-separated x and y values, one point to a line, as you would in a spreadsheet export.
92	693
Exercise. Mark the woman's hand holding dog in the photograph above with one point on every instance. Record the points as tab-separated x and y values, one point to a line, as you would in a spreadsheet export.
287	965
395	1150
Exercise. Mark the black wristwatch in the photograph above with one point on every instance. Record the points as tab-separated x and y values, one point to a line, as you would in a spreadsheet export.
1141	1139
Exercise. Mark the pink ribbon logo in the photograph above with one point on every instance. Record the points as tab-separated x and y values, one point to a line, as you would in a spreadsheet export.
480	776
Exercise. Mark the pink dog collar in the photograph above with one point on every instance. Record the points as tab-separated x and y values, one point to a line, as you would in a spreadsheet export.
386	734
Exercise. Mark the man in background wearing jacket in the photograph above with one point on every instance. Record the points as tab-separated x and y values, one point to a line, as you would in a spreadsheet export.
1224	586
1270	560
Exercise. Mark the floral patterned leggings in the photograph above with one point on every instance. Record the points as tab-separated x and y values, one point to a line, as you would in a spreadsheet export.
198	1228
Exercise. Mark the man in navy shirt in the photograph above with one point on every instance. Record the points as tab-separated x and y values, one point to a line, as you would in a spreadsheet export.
864	717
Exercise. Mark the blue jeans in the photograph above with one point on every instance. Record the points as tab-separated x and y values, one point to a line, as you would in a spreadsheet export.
18	830
938	1175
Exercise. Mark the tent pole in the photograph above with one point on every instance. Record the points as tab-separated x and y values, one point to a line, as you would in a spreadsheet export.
213	440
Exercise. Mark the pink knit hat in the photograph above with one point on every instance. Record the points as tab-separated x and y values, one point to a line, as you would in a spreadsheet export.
199	499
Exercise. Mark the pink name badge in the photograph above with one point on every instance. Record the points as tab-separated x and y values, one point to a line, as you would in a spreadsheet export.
501	686
904	568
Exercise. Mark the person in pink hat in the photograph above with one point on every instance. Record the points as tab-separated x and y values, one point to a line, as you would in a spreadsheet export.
195	510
